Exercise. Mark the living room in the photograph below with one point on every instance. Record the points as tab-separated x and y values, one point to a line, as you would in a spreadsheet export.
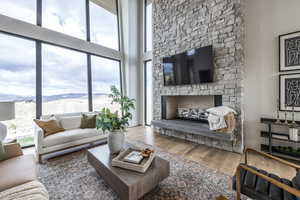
149	99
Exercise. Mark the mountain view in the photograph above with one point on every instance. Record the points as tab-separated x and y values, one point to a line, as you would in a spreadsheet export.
19	98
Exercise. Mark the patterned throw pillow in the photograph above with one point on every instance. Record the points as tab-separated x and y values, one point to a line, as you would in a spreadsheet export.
49	127
88	121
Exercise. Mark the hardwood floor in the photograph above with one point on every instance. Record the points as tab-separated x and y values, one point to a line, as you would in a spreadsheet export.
223	161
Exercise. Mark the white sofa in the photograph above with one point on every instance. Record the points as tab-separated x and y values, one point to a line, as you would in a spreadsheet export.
71	137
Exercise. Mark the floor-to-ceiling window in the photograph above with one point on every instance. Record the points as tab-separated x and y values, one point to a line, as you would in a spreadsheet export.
104	23
105	73
66	75
148	25
17	85
147	60
148	92
64	80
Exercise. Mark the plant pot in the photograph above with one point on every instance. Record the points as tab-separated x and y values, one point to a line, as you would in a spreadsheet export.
115	141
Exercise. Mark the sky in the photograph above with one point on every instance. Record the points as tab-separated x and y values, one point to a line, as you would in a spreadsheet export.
64	71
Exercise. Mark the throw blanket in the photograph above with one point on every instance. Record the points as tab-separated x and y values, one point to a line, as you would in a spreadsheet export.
29	191
220	117
216	122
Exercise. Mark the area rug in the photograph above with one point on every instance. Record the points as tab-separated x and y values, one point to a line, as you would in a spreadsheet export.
71	177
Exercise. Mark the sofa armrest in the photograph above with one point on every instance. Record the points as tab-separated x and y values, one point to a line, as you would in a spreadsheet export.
266	155
13	150
38	138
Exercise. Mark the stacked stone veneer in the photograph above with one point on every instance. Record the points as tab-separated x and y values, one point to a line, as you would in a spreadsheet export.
180	25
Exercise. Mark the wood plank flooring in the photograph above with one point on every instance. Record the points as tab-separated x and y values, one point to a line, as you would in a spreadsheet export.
223	161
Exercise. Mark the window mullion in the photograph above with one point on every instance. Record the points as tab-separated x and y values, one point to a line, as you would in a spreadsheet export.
90	86
88	23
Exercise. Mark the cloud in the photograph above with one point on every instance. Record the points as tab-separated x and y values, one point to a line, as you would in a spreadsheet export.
63	70
22	10
105	73
65	17
104	27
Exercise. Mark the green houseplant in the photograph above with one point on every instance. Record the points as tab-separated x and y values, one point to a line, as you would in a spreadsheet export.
114	122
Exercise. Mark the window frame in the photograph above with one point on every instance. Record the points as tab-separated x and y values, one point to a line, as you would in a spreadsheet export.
88	10
145	25
41	83
41	35
145	91
147	56
91	79
36	70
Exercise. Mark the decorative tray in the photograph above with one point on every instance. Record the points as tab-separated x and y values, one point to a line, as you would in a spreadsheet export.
141	167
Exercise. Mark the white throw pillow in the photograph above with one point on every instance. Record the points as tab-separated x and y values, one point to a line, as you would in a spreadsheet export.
72	122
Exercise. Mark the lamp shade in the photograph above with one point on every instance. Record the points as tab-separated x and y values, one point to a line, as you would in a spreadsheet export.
7	111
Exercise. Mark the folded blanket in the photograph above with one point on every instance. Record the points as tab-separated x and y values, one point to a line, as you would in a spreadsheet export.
222	119
220	110
216	122
230	122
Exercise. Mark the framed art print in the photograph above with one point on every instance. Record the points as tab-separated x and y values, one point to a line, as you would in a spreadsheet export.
289	50
289	91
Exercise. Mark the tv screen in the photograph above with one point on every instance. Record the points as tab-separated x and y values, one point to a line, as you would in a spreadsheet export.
191	67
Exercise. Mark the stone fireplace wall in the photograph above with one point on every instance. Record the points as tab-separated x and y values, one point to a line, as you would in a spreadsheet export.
180	25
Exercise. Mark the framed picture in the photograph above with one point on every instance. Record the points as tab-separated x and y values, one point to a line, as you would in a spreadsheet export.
289	90
289	50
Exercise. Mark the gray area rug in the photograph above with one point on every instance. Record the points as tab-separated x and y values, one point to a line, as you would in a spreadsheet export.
71	177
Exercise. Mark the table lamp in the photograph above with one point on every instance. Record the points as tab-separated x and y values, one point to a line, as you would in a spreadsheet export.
7	112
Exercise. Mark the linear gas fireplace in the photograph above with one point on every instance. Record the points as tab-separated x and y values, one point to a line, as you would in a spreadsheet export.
188	107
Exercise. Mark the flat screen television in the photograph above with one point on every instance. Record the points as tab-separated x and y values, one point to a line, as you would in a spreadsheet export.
191	67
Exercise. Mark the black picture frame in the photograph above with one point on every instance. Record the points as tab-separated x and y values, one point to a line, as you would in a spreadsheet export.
282	52
282	92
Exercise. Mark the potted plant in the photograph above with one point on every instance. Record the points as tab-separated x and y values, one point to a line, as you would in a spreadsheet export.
114	122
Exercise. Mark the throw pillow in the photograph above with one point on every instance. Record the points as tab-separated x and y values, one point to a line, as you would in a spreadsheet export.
88	121
49	127
69	122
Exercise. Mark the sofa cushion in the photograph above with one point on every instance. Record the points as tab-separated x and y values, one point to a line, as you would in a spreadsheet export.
33	190
250	179
262	186
68	123
274	191
17	171
287	195
69	136
296	184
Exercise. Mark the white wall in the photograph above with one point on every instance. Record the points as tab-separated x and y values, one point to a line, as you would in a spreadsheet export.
265	21
130	27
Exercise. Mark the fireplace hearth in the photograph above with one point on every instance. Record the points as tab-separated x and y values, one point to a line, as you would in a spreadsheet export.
187	114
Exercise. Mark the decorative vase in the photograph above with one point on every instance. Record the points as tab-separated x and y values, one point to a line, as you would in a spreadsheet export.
115	141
